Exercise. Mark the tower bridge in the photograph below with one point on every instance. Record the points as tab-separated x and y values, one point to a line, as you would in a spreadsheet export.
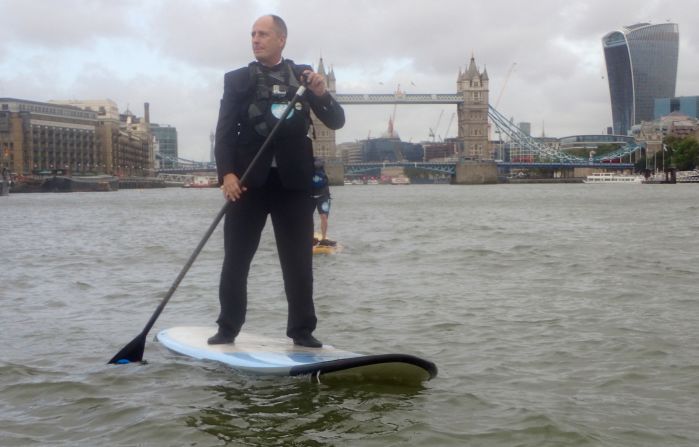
476	115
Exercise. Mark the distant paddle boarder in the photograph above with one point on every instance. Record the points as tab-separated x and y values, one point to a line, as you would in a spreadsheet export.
279	185
321	196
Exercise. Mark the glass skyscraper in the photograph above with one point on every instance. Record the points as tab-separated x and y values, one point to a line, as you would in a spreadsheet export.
167	142
686	105
641	66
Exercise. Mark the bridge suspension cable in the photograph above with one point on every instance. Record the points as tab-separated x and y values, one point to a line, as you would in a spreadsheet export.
527	142
546	153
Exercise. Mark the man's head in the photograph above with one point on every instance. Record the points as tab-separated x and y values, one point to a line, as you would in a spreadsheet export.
268	39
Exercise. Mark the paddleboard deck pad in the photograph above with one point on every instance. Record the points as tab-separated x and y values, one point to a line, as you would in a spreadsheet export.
269	356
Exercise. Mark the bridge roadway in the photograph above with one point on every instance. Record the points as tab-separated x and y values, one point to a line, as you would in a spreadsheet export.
442	167
398	98
450	167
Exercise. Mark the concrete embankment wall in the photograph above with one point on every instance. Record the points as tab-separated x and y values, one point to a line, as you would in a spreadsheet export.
467	173
476	173
335	173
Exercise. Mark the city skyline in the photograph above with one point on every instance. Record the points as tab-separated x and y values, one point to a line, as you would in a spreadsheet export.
154	52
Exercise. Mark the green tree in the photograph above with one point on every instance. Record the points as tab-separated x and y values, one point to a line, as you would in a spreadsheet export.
684	152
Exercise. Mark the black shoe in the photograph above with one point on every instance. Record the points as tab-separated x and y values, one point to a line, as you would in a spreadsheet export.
327	243
308	341
220	339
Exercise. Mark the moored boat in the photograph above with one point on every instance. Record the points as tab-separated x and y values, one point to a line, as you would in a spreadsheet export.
61	183
612	178
4	187
5	183
200	181
400	180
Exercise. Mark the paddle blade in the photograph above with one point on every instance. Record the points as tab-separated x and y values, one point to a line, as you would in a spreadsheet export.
133	352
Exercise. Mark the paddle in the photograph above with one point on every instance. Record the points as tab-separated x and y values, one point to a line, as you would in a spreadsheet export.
133	352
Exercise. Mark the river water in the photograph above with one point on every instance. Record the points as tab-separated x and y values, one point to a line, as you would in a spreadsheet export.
558	315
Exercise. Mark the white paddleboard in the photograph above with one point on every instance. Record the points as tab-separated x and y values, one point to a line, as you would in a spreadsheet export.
270	356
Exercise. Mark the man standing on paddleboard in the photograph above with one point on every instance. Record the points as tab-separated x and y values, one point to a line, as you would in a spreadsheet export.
321	195
279	182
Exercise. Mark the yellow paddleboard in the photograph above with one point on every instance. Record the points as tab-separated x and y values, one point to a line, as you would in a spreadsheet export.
325	249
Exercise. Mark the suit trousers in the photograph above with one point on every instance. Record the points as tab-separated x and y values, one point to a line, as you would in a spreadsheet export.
292	218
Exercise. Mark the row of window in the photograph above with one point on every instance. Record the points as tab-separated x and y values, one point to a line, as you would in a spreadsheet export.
54	111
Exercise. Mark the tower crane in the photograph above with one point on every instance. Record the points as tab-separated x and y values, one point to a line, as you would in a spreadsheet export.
395	106
497	102
436	126
504	84
446	134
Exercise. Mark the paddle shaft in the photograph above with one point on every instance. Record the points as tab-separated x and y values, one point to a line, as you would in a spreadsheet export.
222	212
207	235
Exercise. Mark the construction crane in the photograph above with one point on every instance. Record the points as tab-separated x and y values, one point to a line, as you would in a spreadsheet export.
393	115
504	84
434	129
497	102
446	134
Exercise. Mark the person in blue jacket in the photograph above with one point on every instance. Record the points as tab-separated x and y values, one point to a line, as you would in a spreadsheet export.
321	195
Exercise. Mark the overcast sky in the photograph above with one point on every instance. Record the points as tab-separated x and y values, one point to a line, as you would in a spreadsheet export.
173	54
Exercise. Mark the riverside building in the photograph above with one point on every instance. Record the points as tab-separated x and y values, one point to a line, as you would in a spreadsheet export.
38	136
167	144
76	137
687	105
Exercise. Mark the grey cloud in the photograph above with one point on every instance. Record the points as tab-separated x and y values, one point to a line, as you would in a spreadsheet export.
51	24
211	34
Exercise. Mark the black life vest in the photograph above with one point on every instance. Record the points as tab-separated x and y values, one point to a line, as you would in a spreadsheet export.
273	90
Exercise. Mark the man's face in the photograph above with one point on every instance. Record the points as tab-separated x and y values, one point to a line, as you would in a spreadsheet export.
267	43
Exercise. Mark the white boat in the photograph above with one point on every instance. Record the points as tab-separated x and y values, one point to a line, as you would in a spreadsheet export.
688	176
400	180
611	177
199	181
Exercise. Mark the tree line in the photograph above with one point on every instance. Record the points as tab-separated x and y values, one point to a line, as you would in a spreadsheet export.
681	154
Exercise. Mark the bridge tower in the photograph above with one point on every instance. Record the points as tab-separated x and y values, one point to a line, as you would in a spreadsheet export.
473	112
324	142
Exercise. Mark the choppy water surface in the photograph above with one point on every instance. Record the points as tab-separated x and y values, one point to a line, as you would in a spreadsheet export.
558	315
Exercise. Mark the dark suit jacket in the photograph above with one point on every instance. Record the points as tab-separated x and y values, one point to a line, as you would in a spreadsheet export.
237	142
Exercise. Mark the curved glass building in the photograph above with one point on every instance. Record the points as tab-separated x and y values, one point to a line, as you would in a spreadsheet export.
641	66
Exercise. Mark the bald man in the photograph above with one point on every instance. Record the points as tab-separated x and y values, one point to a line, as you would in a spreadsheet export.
278	185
